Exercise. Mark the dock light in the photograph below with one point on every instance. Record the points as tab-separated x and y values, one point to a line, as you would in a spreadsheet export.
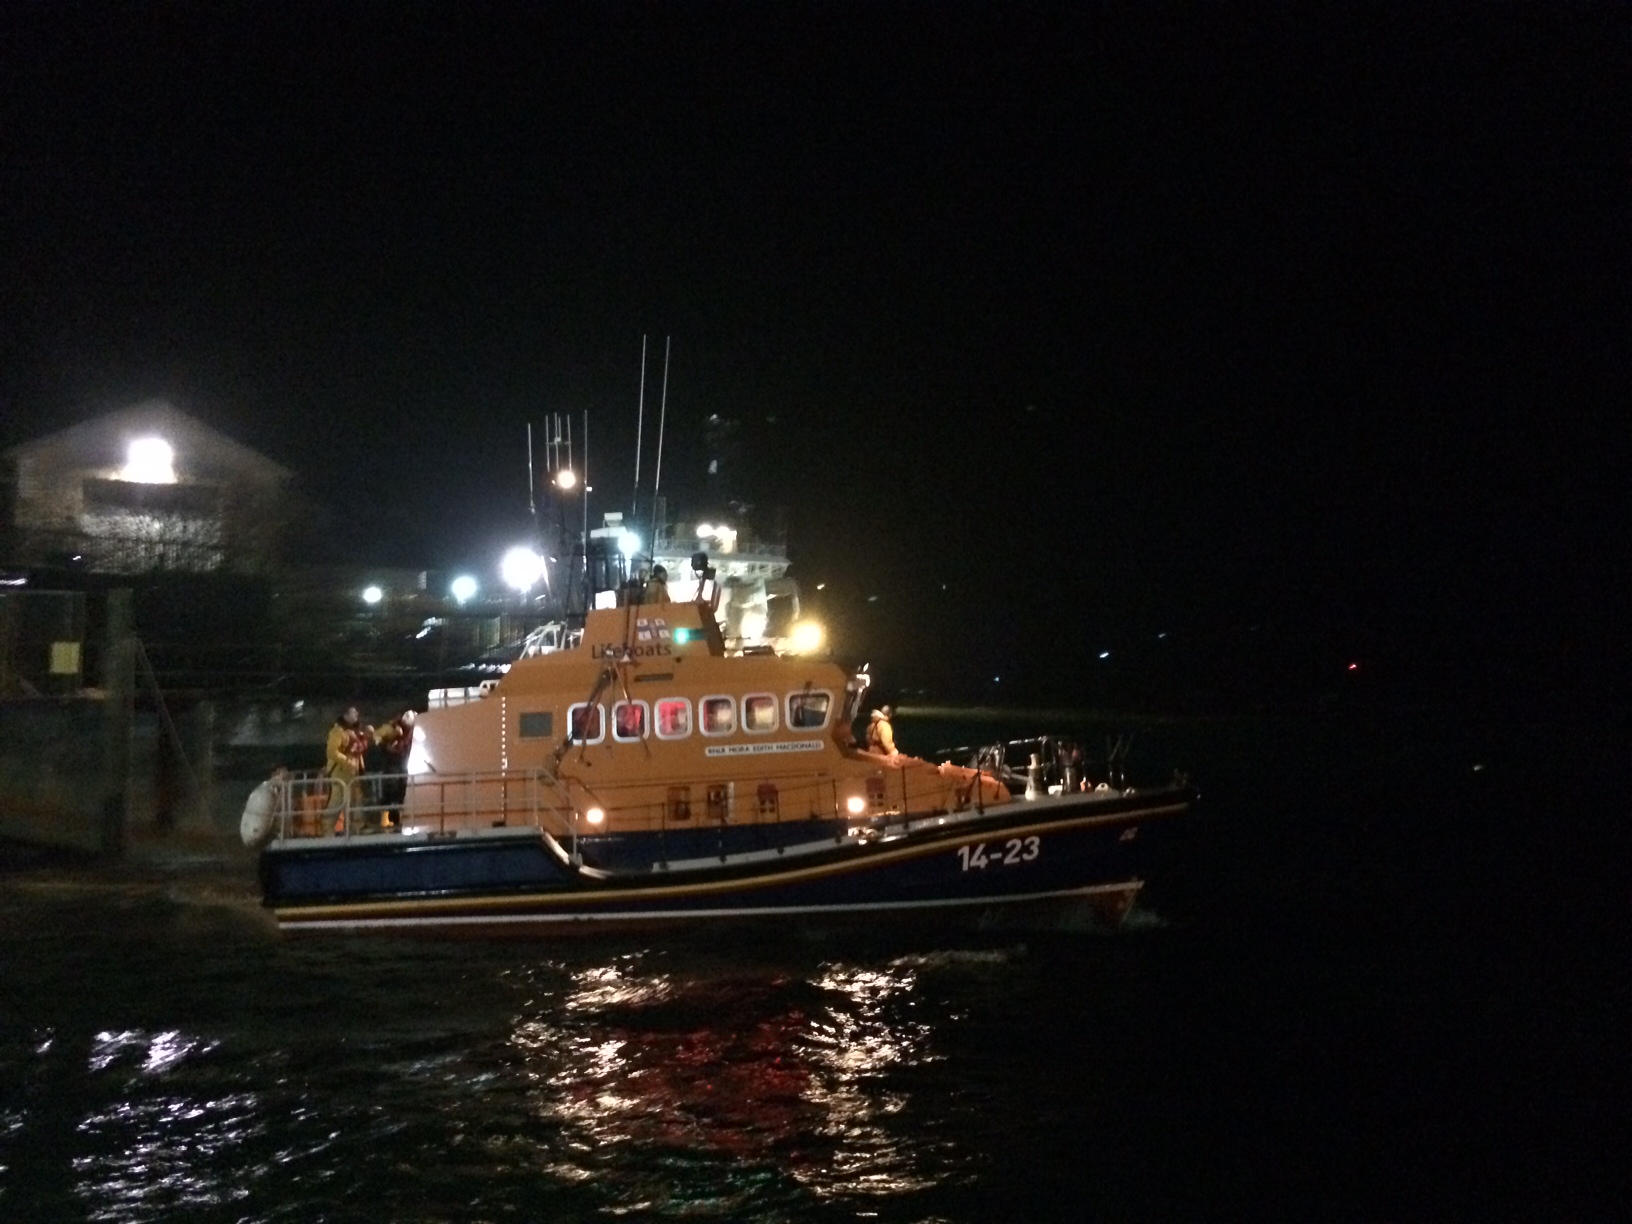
463	588
565	479
521	568
628	545
807	636
149	461
595	816
372	595
705	531
856	805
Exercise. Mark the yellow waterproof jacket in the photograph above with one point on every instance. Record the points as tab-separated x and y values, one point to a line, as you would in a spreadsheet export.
343	755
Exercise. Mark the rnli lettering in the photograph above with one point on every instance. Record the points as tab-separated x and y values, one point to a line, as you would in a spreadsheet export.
725	750
611	650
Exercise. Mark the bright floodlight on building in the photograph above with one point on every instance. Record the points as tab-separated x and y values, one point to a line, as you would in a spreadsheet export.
565	479
628	544
149	461
463	588
521	568
372	594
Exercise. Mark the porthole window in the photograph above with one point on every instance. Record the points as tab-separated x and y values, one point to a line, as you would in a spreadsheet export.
587	723
807	710
629	721
719	715
759	713
673	718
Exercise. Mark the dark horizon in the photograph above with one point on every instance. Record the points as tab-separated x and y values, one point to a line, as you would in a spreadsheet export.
1111	322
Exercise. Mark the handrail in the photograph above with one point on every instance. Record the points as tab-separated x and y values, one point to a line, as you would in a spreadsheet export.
307	804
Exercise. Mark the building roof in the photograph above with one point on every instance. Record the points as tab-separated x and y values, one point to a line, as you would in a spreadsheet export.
201	449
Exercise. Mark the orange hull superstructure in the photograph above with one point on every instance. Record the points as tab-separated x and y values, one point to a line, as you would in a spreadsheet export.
646	724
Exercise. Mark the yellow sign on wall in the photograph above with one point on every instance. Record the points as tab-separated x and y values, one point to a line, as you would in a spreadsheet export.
65	658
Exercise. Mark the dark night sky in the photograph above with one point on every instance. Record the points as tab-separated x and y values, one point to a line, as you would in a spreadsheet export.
1111	318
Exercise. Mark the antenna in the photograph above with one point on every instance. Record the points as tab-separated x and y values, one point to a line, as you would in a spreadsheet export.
532	493
662	416
640	420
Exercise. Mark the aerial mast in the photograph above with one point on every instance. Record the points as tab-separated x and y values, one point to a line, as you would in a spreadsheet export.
640	420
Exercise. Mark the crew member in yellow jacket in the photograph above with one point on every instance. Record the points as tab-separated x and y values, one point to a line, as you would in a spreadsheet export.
343	760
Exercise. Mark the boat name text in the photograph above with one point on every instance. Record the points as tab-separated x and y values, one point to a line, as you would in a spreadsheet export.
724	750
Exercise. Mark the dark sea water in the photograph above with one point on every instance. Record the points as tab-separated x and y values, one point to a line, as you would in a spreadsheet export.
1382	978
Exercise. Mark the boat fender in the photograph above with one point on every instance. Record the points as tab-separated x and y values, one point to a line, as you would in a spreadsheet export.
260	810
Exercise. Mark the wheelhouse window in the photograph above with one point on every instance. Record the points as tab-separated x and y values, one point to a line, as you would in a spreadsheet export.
629	721
759	713
719	715
587	724
673	718
807	710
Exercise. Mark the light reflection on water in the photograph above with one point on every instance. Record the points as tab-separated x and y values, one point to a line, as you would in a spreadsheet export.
788	1073
157	1075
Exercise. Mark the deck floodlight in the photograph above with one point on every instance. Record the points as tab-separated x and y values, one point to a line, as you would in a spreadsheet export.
565	479
463	588
372	595
807	637
628	545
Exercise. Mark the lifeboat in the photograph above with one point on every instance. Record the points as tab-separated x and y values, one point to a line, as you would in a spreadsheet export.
643	774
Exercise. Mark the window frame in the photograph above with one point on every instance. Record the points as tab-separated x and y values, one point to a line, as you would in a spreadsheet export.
600	717
827	710
618	737
657	718
776	714
702	722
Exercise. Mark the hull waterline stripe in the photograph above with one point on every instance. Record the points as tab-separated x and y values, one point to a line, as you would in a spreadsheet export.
671	915
598	897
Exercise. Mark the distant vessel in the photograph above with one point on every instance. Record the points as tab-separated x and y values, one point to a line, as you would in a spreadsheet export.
644	773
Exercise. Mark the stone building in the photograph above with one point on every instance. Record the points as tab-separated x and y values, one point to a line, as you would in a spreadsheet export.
144	489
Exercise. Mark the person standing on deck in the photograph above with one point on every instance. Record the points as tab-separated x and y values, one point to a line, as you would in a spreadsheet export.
343	760
397	738
880	735
657	586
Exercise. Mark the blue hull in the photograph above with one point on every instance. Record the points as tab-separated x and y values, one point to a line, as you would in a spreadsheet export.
1058	849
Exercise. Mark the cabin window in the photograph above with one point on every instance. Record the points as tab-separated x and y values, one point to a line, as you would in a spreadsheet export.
759	712
673	718
536	724
769	802
808	710
679	804
719	715
629	721
588	724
